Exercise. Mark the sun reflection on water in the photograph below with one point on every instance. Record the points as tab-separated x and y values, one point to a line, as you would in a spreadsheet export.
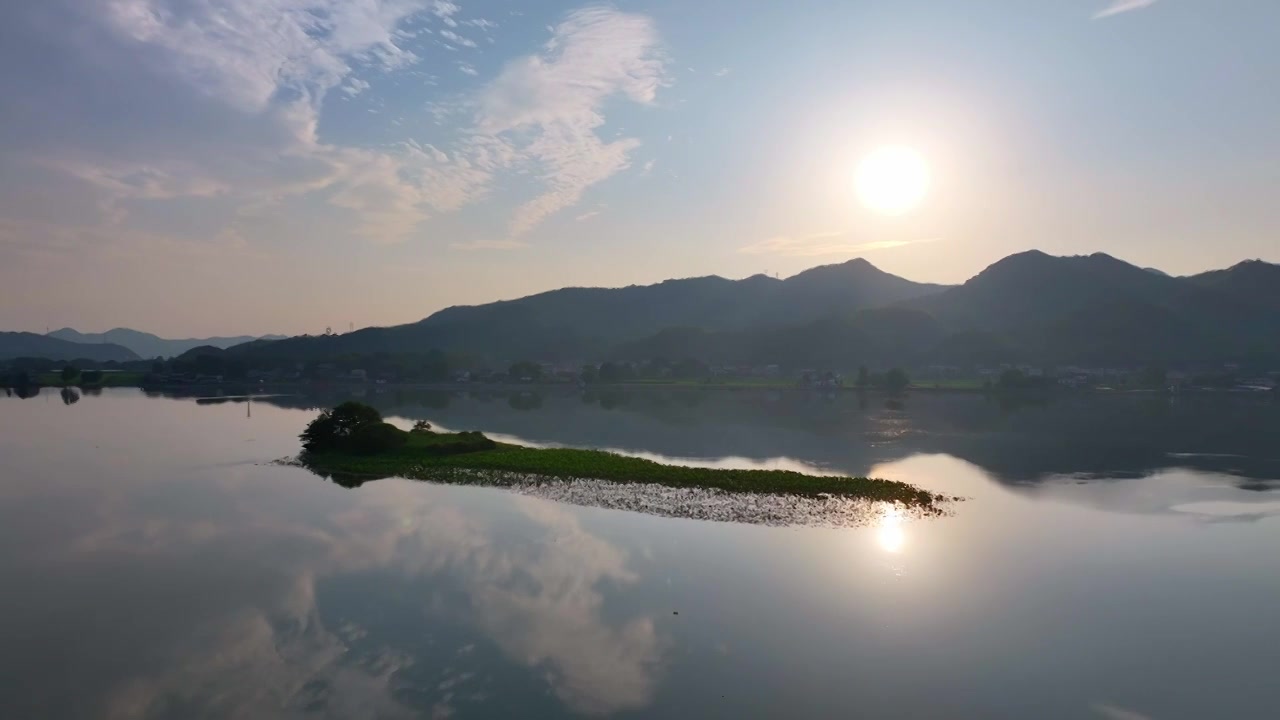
891	533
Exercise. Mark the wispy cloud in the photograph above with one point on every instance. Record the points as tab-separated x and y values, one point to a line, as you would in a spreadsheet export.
247	51
457	39
267	67
548	106
587	215
355	87
1111	712
722	72
445	10
256	74
490	245
647	167
824	243
1122	6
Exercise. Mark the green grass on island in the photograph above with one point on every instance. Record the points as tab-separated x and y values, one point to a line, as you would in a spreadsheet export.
89	379
472	458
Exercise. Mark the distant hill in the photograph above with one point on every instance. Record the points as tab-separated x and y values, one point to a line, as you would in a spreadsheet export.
147	345
1026	308
1097	309
577	323
1252	281
875	337
24	344
1030	307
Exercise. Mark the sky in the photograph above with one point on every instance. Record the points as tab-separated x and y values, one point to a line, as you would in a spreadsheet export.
218	167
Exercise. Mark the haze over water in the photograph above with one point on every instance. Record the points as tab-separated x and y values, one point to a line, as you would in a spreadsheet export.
1112	560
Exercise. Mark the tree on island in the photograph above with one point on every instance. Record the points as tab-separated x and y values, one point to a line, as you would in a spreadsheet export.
352	427
1012	379
69	373
525	370
17	379
611	372
896	380
525	401
1154	378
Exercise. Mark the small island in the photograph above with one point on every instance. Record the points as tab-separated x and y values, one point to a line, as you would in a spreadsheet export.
351	444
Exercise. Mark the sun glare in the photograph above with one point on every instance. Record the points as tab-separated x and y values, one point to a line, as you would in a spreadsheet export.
892	180
891	536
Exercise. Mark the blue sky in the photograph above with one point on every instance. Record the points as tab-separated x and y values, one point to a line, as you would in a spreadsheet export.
224	166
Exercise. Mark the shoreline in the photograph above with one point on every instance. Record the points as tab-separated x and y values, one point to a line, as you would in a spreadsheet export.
511	465
245	387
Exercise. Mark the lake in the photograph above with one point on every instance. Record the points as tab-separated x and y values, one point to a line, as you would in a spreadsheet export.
1115	558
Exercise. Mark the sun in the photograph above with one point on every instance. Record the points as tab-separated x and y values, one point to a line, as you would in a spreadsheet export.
892	180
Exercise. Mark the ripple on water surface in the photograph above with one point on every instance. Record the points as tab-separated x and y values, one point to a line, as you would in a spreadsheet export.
718	505
694	503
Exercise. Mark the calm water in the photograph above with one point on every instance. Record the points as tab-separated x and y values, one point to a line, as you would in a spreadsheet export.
1117	559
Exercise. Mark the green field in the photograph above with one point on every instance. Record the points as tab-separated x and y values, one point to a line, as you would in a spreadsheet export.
118	379
949	384
785	383
425	457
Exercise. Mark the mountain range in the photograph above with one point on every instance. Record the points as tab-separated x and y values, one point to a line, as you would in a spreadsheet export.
147	345
576	323
1029	307
25	344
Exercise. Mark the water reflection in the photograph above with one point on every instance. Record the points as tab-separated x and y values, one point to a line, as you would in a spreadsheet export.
891	534
165	571
285	622
169	583
1018	441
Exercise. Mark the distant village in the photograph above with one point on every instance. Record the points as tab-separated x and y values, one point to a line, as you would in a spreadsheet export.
931	377
218	367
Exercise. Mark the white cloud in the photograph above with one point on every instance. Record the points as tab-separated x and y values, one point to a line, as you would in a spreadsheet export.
372	185
141	181
648	167
102	243
549	105
445	10
247	51
1122	6
722	72
457	39
587	215
430	150
257	72
824	243
355	86
270	64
